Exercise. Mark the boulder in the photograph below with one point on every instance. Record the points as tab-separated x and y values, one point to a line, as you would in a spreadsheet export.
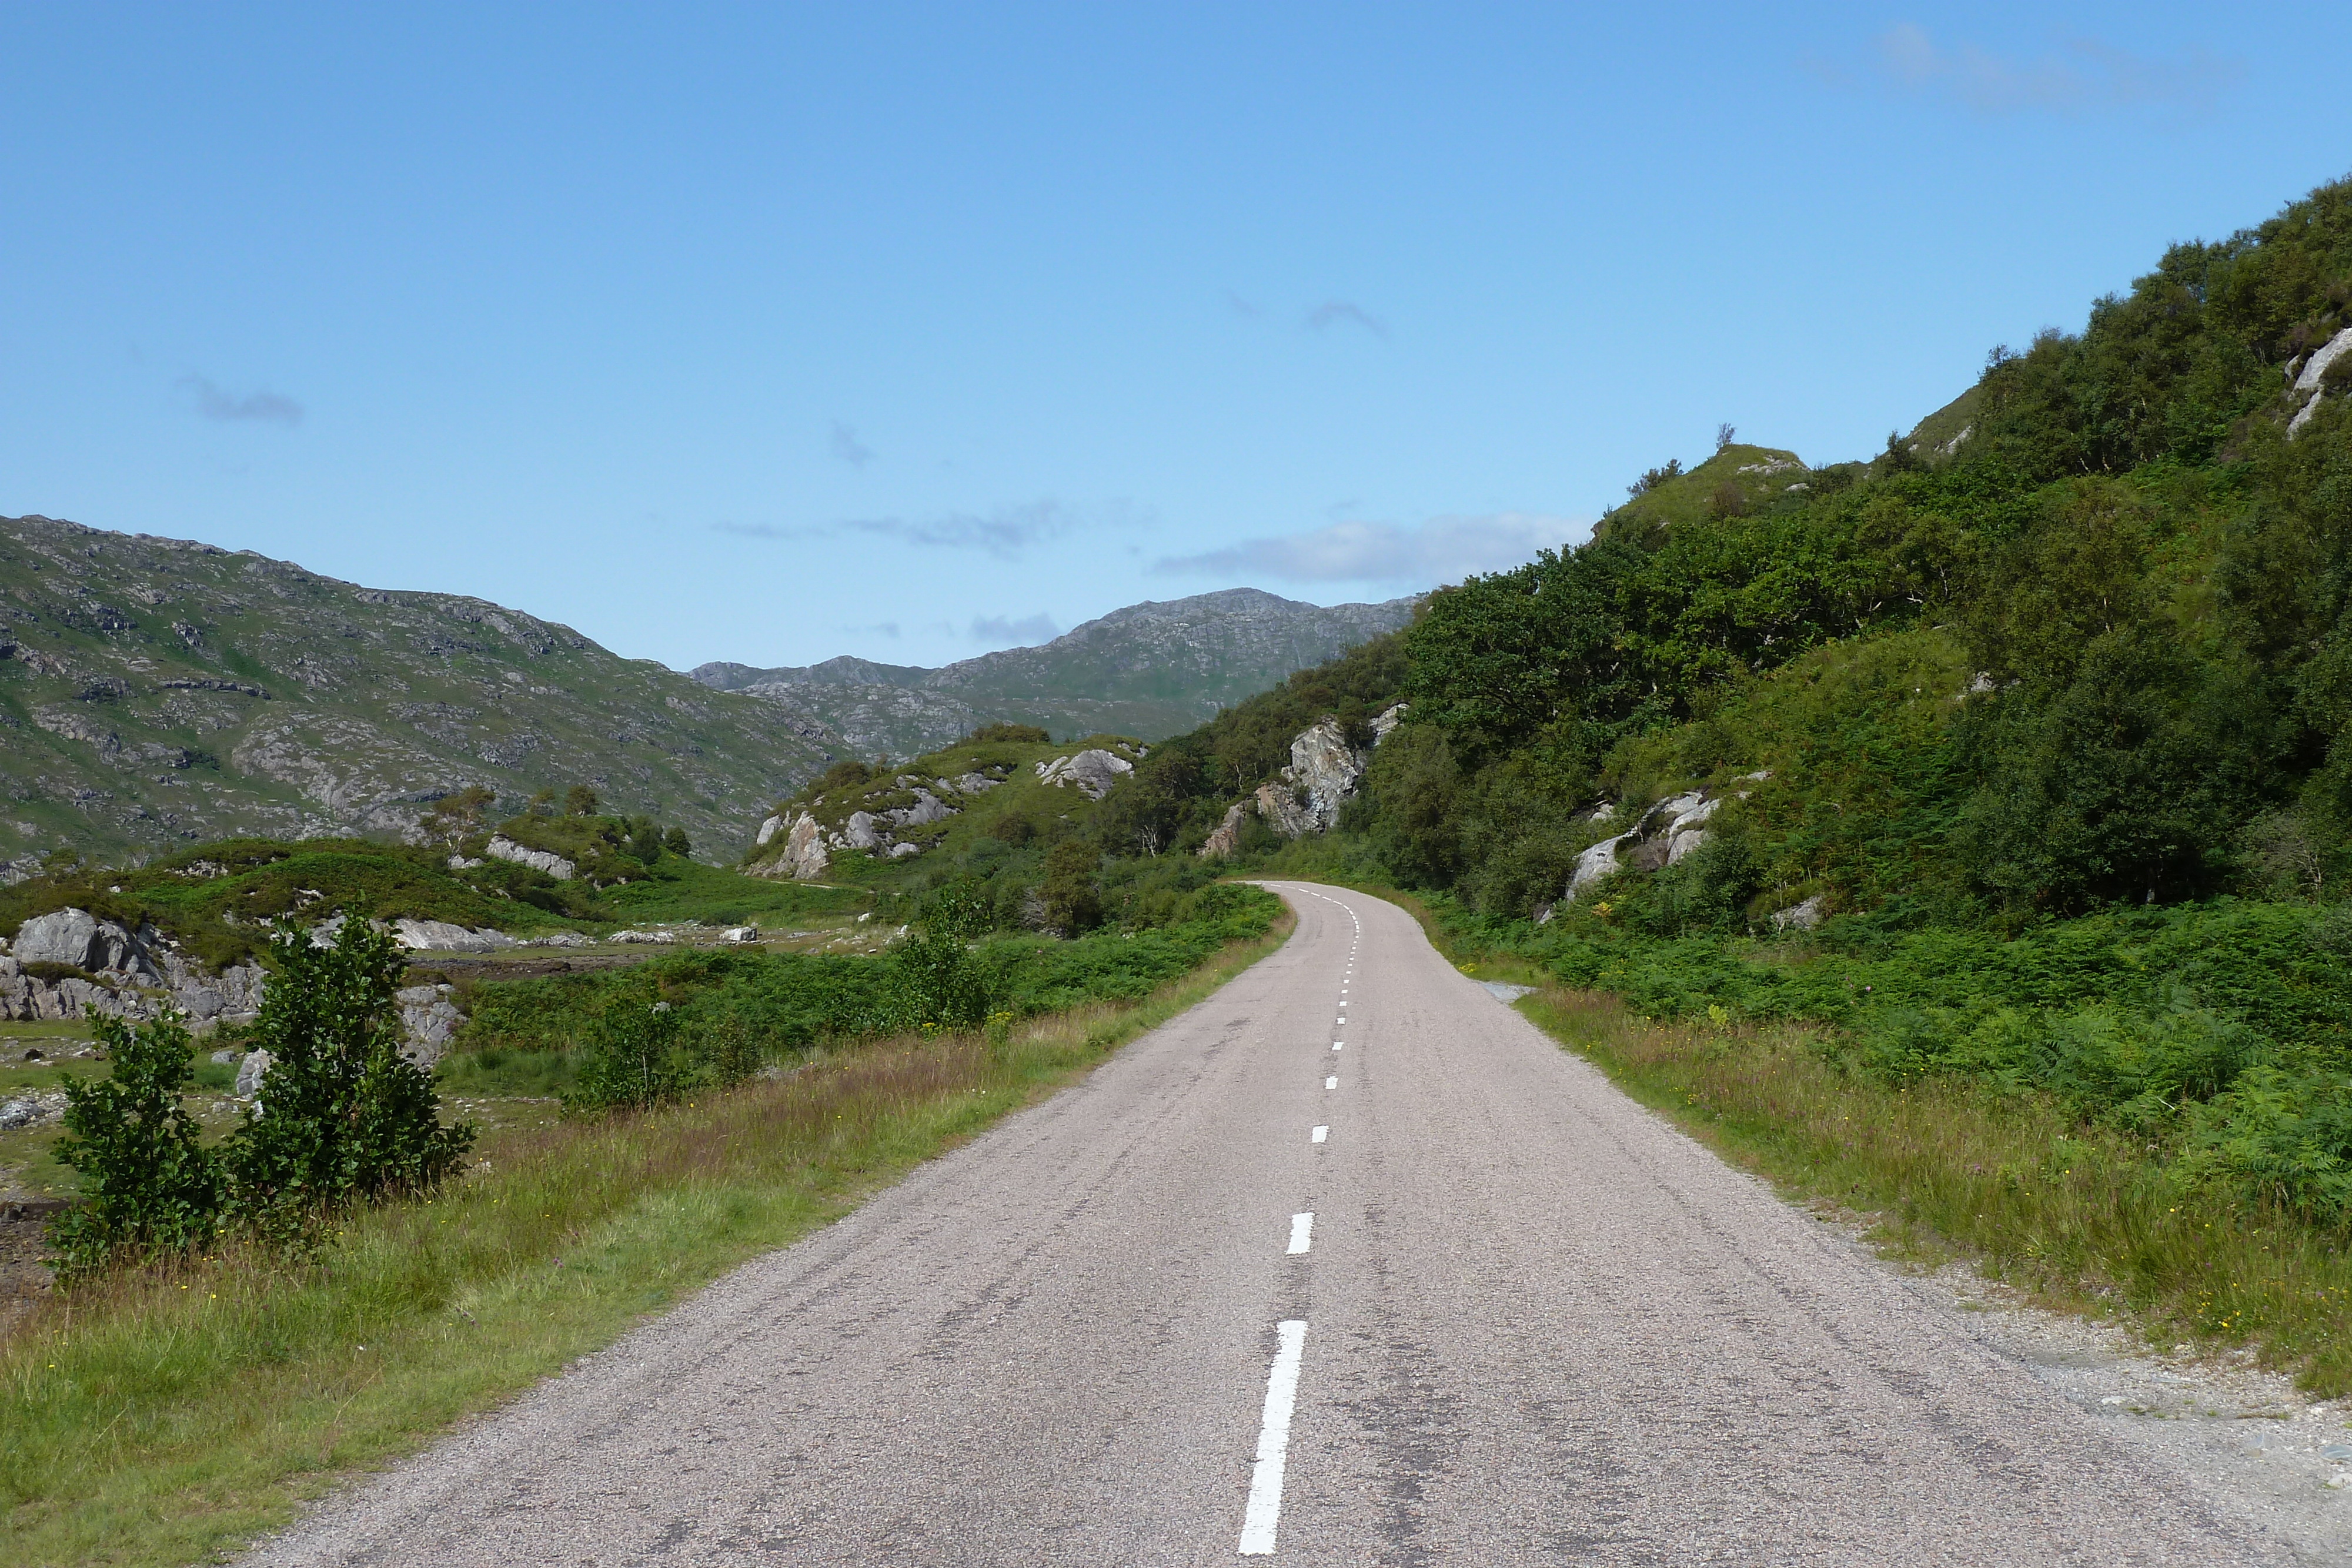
1093	771
1386	721
740	933
967	783
501	848
1226	836
860	833
768	830
31	1109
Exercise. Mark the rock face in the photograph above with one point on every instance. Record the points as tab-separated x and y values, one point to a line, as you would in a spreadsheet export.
502	848
250	1072
804	857
1323	773
1094	772
1226	836
139	975
2308	385
769	829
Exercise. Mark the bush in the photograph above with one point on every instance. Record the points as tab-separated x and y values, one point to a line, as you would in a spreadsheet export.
343	1118
149	1188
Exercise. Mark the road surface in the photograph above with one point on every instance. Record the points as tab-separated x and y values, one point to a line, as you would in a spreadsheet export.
1350	1264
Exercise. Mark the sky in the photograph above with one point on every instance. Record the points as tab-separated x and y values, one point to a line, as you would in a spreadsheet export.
770	333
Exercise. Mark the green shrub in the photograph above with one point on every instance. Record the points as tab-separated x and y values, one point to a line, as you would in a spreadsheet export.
343	1118
149	1188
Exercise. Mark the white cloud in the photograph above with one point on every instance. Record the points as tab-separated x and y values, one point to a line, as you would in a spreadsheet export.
1444	550
1005	533
999	630
214	402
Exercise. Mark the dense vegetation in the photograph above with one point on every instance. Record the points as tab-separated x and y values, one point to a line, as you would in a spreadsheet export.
2046	707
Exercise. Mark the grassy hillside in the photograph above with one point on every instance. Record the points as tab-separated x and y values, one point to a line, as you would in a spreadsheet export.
156	693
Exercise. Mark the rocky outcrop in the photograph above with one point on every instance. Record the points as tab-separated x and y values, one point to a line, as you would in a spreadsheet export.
429	1021
1664	835
805	856
502	848
2310	385
1386	721
1306	798
1093	771
441	936
768	830
124	973
1803	917
1226	836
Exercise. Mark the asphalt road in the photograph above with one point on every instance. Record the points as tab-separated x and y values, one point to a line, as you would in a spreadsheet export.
1527	1324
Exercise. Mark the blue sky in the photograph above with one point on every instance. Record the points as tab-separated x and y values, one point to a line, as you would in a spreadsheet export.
770	333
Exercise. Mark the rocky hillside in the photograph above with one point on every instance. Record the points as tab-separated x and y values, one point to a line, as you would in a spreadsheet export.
1149	670
155	691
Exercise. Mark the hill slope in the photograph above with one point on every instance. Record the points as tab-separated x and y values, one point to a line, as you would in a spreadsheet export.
155	691
1149	670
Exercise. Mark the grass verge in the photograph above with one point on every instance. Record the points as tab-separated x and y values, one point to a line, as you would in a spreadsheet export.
167	1420
2082	1218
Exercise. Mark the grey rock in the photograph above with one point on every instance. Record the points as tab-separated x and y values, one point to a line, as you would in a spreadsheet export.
428	1022
76	938
557	939
1803	917
1505	992
928	809
768	830
900	852
860	833
1386	721
1325	769
501	848
441	936
740	933
1094	771
805	856
223	1058
250	1072
1285	806
1226	836
2307	385
31	1109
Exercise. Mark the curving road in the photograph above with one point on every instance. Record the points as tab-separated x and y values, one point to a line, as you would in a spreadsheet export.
1495	1314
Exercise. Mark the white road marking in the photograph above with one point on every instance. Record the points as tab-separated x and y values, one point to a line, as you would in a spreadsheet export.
1263	1515
1330	1084
1337	1044
1302	1233
1320	1134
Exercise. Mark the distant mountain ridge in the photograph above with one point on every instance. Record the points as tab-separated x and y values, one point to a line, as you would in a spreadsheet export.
1149	670
155	692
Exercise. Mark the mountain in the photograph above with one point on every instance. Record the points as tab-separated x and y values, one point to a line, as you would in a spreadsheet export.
1149	670
156	691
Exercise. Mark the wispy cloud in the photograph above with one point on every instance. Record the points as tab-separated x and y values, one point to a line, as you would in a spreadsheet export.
1239	306
1002	631
1443	550
1004	534
2082	76
1339	312
213	401
879	629
848	448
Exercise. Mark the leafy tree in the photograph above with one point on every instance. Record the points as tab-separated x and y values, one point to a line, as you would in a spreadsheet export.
1073	903
580	800
455	816
936	976
148	1186
343	1118
678	843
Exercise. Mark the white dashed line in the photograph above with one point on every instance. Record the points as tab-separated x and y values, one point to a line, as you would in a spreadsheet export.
1337	1044
1302	1233
1320	1134
1330	1084
1263	1515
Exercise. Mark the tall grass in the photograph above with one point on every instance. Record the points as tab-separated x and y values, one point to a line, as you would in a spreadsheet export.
2085	1217
164	1418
